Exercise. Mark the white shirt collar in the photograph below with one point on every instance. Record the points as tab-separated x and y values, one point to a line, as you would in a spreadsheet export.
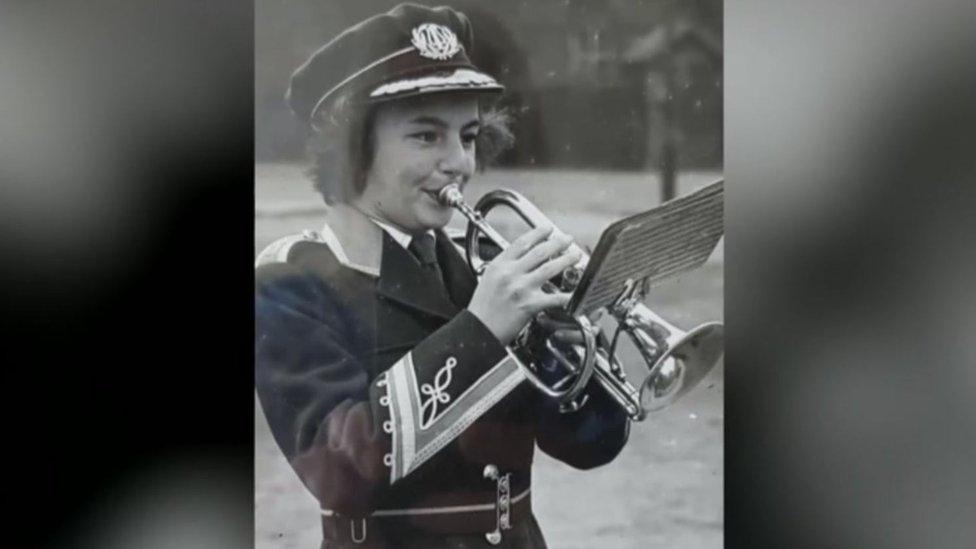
402	238
330	239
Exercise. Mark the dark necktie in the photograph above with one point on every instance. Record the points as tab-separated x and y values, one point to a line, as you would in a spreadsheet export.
423	247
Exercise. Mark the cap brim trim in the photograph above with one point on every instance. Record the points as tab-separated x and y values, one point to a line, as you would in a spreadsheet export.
459	79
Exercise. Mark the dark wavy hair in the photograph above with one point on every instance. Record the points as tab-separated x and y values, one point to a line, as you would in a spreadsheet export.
342	147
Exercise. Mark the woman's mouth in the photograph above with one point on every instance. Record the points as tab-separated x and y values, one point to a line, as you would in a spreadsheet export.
434	193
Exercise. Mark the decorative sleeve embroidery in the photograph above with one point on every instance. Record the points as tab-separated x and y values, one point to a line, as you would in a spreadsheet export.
436	394
438	389
425	417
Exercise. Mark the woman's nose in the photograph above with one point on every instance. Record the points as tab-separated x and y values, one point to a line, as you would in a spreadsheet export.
456	160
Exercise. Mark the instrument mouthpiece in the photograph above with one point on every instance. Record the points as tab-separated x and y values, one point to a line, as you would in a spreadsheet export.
450	195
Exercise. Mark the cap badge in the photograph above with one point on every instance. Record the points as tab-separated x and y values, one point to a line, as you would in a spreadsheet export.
435	41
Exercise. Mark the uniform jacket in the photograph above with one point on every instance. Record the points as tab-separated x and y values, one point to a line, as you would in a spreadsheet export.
384	392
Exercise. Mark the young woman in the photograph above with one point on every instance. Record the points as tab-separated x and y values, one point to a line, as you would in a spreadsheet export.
381	360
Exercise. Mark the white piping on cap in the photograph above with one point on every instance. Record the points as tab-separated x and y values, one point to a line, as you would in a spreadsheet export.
460	77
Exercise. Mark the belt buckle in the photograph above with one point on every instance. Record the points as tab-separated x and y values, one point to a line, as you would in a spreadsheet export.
352	531
503	518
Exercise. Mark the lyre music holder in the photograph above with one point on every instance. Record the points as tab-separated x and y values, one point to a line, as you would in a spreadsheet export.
650	247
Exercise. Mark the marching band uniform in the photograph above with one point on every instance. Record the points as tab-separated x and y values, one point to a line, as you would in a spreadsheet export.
398	409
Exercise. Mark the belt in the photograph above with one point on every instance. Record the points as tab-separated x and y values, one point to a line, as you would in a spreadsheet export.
490	519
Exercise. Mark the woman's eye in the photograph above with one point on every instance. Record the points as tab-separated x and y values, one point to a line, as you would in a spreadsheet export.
425	137
469	139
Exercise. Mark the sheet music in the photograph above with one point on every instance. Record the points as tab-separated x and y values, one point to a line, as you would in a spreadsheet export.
673	238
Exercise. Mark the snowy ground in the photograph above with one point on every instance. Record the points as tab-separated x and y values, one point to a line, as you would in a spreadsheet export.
664	490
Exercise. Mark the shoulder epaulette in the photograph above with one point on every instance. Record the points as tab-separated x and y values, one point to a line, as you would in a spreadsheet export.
277	251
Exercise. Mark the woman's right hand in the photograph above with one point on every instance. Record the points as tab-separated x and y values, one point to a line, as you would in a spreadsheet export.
510	292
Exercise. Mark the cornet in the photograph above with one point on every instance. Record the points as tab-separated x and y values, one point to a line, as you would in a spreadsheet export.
676	360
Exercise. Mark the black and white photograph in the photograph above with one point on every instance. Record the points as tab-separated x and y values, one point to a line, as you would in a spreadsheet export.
489	274
682	274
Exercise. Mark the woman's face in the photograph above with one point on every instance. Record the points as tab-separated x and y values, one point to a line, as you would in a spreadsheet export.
419	146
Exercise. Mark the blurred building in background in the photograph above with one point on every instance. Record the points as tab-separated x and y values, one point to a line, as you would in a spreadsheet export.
613	84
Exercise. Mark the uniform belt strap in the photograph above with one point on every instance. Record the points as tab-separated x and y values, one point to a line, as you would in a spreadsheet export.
479	518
